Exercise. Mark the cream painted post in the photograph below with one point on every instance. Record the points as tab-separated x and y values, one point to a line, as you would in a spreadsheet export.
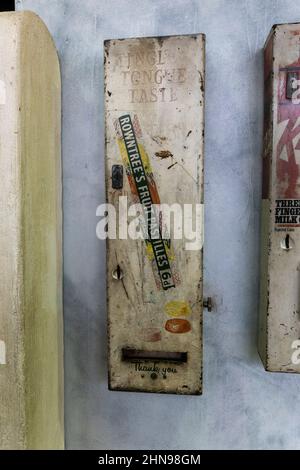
31	330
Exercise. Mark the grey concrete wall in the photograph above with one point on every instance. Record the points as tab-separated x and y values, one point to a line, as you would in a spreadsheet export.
242	406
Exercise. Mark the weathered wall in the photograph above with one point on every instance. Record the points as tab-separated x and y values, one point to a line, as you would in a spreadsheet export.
242	406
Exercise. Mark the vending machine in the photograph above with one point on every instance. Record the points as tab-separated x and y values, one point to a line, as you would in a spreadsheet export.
279	322
154	100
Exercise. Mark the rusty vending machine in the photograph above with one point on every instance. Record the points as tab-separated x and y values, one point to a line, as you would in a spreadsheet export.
279	321
154	98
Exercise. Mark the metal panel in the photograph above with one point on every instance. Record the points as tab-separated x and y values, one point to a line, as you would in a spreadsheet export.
279	329
154	92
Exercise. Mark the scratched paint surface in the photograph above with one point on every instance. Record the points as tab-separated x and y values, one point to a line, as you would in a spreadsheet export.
154	94
279	305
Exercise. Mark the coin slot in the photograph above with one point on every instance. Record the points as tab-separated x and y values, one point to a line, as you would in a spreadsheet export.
287	243
118	273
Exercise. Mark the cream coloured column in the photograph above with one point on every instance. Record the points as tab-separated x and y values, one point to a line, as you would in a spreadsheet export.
31	330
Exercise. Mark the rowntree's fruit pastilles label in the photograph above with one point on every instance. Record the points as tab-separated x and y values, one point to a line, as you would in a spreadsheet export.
144	189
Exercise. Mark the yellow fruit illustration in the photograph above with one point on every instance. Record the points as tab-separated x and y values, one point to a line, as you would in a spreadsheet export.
177	308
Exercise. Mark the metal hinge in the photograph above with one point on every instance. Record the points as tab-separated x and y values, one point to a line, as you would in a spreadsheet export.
207	303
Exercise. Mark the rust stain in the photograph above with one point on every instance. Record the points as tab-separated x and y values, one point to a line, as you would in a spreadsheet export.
159	139
171	166
161	40
164	154
201	81
151	335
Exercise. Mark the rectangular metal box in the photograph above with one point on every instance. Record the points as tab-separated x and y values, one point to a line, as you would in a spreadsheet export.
154	98
279	322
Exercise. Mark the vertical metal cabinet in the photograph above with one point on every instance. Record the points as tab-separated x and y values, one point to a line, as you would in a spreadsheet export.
31	355
154	97
279	324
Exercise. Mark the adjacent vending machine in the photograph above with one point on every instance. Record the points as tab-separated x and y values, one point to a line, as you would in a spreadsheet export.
154	99
279	325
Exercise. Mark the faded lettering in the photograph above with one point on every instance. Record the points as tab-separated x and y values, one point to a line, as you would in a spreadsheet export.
148	78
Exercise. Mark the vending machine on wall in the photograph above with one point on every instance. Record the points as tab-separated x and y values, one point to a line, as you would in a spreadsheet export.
279	328
154	97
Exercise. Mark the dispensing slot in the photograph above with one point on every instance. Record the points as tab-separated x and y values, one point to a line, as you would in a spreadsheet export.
140	354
